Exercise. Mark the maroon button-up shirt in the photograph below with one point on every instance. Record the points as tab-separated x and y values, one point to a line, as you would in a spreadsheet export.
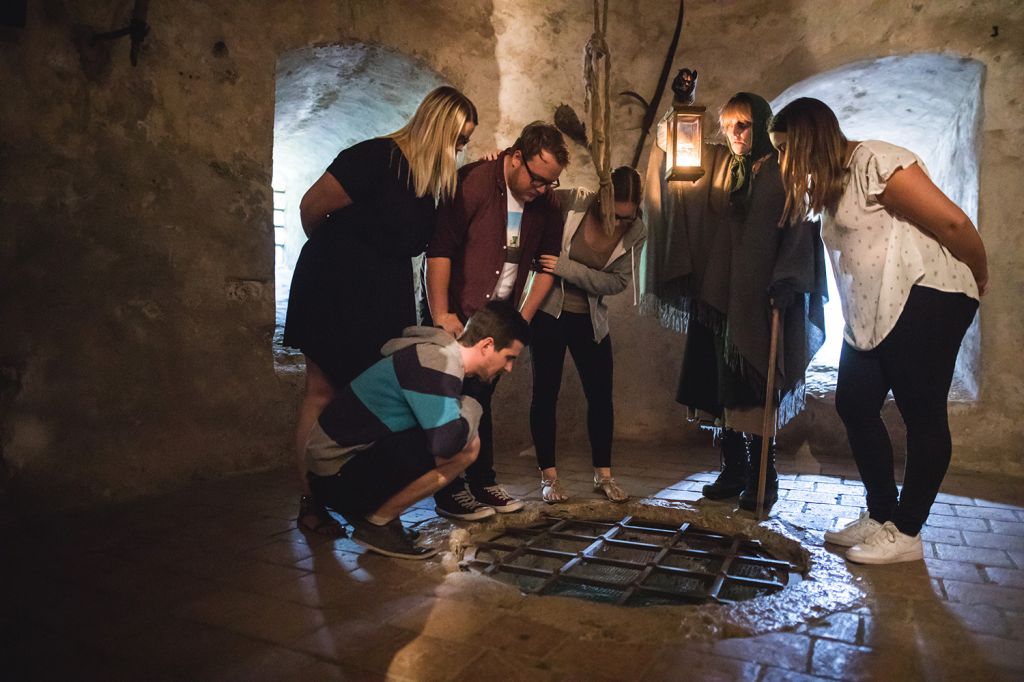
471	229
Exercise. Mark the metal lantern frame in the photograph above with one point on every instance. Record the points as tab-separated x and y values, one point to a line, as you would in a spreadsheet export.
674	166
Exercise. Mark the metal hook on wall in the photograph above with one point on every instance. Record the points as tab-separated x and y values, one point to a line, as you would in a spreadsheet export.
138	29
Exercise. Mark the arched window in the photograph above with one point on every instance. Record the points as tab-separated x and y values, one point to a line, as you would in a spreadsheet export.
328	98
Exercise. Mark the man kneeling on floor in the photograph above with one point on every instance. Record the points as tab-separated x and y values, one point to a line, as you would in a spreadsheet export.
401	430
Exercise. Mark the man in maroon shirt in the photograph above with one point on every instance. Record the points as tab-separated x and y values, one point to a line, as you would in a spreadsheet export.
484	248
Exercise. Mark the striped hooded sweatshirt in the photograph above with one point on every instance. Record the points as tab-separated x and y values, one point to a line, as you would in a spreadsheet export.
417	385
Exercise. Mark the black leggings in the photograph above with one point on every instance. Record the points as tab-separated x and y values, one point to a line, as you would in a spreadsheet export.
549	339
915	361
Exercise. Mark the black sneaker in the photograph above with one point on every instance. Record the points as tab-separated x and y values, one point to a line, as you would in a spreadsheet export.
496	497
389	541
460	505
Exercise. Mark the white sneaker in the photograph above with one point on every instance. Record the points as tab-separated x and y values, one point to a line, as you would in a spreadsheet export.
853	533
887	546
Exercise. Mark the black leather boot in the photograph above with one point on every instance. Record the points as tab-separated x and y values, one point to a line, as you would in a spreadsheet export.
733	477
748	498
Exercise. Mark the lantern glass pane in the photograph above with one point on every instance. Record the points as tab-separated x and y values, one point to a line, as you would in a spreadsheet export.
687	140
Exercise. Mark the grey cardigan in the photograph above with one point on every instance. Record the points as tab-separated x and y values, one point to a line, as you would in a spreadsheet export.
612	279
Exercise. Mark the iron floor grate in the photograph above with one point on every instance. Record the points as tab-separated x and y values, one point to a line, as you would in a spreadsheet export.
632	562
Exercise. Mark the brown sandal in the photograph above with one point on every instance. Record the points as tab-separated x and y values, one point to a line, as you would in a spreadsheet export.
314	518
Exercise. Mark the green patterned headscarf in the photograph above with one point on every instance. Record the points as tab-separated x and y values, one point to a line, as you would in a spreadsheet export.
740	165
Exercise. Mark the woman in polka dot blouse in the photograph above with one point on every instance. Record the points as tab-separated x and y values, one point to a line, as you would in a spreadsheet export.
910	268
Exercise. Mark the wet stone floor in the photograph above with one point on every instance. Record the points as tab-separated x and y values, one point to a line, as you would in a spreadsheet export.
214	583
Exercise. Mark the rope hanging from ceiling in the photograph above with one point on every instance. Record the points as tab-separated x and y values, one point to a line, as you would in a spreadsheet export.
597	63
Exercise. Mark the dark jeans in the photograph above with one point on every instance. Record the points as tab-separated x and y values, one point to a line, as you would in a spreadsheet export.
373	476
915	361
550	337
481	472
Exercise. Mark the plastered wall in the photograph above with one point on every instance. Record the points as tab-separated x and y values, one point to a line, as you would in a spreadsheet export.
136	248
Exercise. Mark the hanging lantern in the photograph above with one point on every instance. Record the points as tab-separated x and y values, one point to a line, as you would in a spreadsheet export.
685	139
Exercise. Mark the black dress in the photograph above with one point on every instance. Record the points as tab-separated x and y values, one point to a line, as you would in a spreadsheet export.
353	289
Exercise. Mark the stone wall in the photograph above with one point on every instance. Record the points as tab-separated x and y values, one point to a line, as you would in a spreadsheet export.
136	248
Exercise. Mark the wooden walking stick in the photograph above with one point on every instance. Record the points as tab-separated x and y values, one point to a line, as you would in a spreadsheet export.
767	426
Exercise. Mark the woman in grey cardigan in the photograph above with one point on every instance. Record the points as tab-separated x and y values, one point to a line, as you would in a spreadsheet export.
593	264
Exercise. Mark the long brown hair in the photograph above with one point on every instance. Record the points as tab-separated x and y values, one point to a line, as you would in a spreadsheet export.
811	161
428	140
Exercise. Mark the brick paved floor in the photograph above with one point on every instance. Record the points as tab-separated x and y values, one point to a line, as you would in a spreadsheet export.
214	582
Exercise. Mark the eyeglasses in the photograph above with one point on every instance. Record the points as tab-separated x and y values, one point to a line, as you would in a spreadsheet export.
537	180
625	218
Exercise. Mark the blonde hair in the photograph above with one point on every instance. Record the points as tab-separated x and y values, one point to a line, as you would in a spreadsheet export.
428	141
736	109
811	164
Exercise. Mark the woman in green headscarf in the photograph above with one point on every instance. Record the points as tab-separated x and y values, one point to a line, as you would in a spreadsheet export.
725	263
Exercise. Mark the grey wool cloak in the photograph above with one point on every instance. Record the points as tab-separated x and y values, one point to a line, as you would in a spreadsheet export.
710	260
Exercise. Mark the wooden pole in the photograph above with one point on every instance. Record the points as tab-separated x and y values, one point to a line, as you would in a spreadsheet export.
768	425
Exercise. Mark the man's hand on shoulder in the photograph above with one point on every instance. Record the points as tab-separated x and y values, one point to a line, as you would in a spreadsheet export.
450	323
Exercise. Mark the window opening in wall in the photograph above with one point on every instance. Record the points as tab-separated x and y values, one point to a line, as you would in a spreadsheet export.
896	99
328	98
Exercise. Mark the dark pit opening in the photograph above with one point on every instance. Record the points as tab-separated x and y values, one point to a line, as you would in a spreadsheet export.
632	562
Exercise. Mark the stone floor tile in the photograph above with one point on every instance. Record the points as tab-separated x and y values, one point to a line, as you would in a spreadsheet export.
225	557
957	570
673	664
781	649
319	589
509	666
833	510
812	496
1015	624
189	650
450	619
957	522
678	495
1006	577
859	501
909	581
283	553
1008	527
999	652
513	633
284	665
844	627
948	536
788	507
603	660
947	498
780	675
985	502
839	660
994	540
990	595
987	513
976	555
422	658
253	615
835	488
942	509
354	639
789	483
949	616
376	604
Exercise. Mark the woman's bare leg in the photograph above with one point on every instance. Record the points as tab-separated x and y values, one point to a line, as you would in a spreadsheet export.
319	392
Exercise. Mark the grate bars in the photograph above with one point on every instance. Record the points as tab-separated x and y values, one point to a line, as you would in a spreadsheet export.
632	562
